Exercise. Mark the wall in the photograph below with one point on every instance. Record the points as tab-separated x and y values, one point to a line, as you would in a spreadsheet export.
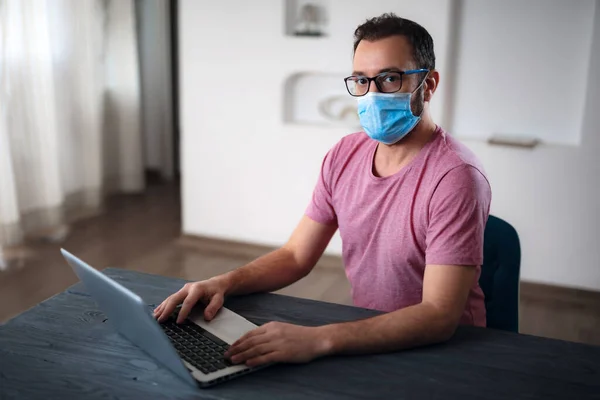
496	45
552	196
155	84
147	21
249	176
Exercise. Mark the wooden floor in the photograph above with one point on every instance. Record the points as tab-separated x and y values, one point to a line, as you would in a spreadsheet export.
142	233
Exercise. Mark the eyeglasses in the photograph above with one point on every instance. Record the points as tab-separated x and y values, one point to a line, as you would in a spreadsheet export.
386	82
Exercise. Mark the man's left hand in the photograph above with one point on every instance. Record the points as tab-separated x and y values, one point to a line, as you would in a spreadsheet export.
279	342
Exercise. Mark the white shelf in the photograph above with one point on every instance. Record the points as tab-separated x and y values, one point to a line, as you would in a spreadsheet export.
315	98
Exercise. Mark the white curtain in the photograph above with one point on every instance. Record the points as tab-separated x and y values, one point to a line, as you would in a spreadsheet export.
71	111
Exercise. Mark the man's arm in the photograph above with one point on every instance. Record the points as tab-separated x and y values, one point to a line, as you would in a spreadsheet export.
273	271
458	213
285	265
445	292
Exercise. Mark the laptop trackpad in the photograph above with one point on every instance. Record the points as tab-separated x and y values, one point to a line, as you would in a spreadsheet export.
227	325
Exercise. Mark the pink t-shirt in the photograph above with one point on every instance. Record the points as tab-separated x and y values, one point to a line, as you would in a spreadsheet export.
433	211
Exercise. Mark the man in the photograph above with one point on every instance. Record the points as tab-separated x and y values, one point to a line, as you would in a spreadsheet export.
410	203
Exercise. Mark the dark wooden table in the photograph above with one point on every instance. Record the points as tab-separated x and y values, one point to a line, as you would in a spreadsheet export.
62	348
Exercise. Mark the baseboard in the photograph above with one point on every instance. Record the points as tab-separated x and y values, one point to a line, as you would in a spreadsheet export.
243	250
559	295
530	291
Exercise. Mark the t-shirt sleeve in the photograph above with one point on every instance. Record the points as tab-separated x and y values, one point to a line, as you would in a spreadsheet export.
320	208
458	212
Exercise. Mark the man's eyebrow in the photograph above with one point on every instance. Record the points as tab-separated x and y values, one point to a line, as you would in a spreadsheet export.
389	69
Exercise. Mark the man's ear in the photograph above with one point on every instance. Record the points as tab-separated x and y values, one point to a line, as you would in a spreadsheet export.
431	83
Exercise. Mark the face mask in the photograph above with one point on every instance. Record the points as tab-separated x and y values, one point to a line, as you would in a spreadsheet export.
386	117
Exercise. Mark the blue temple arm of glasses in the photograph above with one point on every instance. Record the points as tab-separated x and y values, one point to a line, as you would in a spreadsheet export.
415	71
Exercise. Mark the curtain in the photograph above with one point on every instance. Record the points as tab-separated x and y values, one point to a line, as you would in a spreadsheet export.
71	111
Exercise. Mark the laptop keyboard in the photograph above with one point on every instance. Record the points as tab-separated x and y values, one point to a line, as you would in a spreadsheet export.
197	346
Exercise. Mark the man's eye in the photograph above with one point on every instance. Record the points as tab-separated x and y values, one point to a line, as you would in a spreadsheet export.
362	81
391	78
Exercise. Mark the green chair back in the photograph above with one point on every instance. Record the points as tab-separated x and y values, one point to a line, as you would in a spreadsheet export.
500	272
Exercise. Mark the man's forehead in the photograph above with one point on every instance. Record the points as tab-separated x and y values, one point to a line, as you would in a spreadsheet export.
374	56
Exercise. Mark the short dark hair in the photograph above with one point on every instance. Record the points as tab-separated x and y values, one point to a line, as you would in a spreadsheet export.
389	24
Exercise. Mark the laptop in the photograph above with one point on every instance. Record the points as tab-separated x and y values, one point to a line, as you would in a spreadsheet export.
192	350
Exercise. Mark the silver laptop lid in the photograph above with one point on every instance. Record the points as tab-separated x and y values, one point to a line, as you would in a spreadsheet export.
131	317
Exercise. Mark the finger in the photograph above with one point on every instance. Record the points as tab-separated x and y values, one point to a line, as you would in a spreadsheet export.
258	331
188	303
160	307
162	315
158	312
246	345
216	302
169	305
274	356
171	302
253	352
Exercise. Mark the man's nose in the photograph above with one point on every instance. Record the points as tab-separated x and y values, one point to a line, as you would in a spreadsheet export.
373	87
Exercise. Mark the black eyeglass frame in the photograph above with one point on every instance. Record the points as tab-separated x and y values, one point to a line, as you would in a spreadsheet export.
383	74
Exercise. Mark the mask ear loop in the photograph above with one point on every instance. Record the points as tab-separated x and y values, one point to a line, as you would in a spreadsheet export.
421	84
419	87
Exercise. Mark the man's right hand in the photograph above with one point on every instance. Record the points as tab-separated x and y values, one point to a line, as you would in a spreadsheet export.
210	292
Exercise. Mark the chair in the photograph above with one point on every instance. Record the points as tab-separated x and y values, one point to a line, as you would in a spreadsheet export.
499	278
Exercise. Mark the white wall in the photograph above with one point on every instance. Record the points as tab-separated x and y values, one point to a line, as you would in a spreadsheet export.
511	45
552	196
248	176
147	22
153	28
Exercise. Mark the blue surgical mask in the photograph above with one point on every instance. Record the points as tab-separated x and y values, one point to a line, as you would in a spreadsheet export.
386	117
